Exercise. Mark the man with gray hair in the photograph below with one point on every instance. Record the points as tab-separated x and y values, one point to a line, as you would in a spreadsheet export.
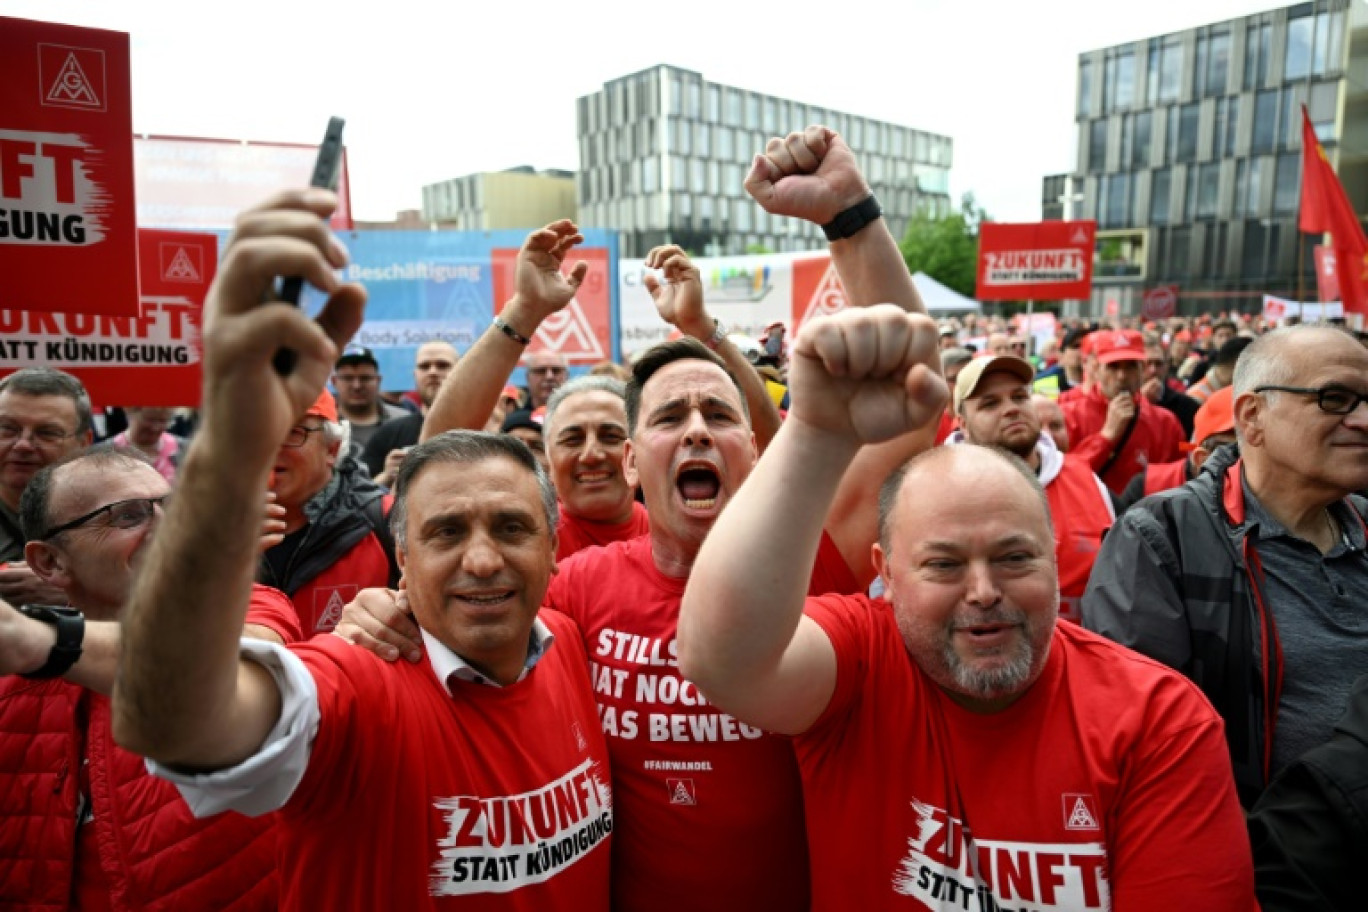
1251	578
44	416
337	537
586	433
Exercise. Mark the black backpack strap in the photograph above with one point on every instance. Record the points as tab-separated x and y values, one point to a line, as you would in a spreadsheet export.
376	512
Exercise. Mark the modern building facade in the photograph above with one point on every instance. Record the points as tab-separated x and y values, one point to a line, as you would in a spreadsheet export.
664	152
493	201
1189	153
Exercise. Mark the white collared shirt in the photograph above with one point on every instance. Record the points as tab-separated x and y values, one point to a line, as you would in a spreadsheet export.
265	781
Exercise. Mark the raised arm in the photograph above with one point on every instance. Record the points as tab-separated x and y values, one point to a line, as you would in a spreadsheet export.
183	697
814	176
859	377
679	301
472	389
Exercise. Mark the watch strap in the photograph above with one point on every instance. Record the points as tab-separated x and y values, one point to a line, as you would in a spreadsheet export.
70	625
849	222
719	333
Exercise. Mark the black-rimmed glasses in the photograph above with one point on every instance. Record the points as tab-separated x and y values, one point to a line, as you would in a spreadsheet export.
299	435
1333	400
123	514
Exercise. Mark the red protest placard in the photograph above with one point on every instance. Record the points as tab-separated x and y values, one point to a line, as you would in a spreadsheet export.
1040	261
152	359
582	331
67	224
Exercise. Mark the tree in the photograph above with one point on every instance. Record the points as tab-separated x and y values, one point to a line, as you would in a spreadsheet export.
946	248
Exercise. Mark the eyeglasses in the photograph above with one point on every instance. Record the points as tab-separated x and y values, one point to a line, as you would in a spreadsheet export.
123	514
1333	400
553	371
11	431
299	435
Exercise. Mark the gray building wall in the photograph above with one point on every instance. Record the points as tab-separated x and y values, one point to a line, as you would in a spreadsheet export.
1194	139
664	152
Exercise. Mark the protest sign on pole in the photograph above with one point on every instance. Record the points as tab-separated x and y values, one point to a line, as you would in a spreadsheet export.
68	238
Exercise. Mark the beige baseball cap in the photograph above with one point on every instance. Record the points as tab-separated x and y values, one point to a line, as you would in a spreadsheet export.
974	372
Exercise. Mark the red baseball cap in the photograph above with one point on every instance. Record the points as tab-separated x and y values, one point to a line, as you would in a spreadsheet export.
1216	416
1111	346
324	407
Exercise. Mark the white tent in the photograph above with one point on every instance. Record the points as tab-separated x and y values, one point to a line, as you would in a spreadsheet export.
941	300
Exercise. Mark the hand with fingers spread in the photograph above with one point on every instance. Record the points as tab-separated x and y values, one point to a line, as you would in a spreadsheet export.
247	401
867	374
810	175
541	288
679	299
380	620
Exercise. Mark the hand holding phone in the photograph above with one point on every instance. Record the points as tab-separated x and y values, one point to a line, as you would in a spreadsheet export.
326	168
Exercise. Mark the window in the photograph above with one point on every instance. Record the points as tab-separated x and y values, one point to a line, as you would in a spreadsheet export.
1180	253
714	114
1119	82
1253	205
1159	196
1313	45
1140	152
752	109
771	117
726	149
1183	144
1265	120
702	140
733	113
1324	99
1208	182
1260	249
695	105
1170	70
1097	145
1286	183
650	175
1214	254
1085	69
696	176
1217	70
1257	41
1115	201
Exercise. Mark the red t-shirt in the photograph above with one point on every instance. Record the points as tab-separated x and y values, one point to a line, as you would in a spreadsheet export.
497	798
574	534
1109	778
711	811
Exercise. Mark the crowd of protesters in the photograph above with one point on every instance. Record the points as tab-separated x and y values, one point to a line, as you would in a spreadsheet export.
893	613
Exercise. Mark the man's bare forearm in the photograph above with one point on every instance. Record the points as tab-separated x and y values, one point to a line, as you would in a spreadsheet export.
873	271
764	414
470	392
177	698
746	590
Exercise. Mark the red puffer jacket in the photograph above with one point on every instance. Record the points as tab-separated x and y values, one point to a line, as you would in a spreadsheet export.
154	854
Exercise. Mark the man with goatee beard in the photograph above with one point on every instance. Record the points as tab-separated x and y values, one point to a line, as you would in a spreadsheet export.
993	403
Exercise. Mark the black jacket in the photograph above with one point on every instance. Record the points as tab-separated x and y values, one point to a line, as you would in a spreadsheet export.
1310	828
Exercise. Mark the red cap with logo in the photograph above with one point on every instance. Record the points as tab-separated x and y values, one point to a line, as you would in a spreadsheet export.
1216	416
1111	346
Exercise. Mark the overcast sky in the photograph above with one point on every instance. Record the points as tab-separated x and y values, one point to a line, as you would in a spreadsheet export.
432	91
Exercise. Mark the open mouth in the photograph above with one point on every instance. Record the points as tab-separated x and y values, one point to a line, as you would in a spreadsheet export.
987	634
699	485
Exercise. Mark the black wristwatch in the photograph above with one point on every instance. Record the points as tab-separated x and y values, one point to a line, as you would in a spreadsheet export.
70	625
848	222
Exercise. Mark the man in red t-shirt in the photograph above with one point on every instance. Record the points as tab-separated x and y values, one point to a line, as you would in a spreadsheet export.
586	432
476	778
993	400
986	756
709	810
1117	430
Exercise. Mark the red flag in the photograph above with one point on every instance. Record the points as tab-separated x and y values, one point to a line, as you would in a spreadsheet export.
1325	207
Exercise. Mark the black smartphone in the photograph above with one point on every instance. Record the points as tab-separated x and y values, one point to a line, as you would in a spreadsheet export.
325	172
